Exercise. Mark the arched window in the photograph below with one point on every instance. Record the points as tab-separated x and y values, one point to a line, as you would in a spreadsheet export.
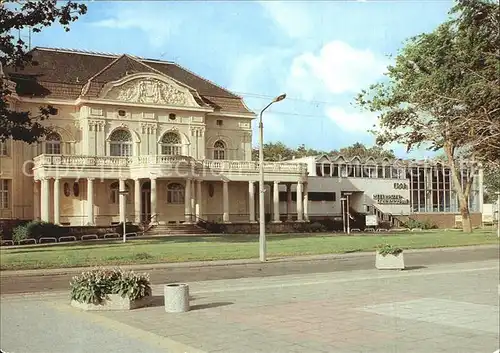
53	143
114	196
171	144
175	193
120	143
219	150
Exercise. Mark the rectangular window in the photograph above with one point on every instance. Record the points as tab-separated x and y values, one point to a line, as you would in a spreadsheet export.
327	169
322	196
120	149
4	194
172	150
335	170
219	122
319	169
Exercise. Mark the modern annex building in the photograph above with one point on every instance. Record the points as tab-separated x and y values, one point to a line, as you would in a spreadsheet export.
391	189
178	143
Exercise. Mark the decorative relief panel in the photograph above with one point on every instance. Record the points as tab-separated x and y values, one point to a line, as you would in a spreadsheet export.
152	91
244	125
96	111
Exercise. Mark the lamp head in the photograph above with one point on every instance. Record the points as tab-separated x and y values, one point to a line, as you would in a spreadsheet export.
280	97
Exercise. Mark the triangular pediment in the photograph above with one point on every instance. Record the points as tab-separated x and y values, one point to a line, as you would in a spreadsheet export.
323	159
148	88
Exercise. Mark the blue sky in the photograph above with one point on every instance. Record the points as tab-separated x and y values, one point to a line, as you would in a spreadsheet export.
320	53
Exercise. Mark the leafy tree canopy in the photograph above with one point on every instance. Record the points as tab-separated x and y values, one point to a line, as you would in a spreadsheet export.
442	90
18	15
278	151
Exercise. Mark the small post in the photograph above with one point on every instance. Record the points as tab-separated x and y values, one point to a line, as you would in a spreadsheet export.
342	204
498	213
347	194
124	193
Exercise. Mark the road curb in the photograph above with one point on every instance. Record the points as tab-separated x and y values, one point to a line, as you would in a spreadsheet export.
239	262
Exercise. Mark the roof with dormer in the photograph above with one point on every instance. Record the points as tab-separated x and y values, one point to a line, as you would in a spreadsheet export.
71	74
369	160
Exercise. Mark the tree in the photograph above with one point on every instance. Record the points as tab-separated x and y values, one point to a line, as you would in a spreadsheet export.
17	15
491	184
360	150
278	151
274	152
428	97
476	27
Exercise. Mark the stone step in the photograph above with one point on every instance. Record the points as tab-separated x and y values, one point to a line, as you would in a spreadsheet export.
184	229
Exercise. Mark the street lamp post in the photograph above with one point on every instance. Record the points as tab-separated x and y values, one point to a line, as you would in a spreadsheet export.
124	193
347	194
342	204
498	213
262	215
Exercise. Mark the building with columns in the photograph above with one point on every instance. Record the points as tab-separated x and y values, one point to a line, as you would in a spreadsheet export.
178	144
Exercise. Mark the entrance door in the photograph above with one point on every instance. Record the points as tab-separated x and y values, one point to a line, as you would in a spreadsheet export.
146	202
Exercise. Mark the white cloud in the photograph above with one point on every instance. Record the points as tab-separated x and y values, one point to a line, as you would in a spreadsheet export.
337	68
290	16
148	19
353	122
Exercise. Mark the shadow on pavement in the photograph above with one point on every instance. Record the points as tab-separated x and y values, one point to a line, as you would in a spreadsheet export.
158	300
409	268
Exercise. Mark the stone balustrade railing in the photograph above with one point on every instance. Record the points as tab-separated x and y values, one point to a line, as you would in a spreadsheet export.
174	161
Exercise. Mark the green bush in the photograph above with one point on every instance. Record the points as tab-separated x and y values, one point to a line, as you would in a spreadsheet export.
315	227
20	233
413	223
388	249
95	285
129	228
37	230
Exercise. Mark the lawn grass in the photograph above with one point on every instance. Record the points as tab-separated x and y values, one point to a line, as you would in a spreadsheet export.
224	247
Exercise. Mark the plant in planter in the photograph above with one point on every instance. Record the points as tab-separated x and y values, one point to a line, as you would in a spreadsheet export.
110	289
389	257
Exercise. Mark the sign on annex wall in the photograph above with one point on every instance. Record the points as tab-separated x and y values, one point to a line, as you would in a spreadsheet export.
390	199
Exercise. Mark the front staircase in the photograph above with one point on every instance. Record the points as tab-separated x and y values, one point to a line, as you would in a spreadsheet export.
175	229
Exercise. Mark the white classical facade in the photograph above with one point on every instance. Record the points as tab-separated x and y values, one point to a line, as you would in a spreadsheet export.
179	145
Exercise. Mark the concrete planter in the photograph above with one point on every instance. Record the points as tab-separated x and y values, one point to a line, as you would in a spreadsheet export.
176	297
389	262
113	302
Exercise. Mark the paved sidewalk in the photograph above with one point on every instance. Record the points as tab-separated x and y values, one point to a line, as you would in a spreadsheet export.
439	308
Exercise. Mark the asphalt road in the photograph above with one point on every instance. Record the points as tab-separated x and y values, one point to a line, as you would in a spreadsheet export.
47	283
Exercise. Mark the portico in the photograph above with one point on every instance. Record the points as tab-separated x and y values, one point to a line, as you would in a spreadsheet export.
157	196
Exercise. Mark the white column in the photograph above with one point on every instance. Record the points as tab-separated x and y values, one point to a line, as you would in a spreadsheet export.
198	210
57	192
122	201
187	201
306	203
225	201
36	200
137	200
153	201
45	201
251	200
193	199
90	201
299	202
289	202
276	201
